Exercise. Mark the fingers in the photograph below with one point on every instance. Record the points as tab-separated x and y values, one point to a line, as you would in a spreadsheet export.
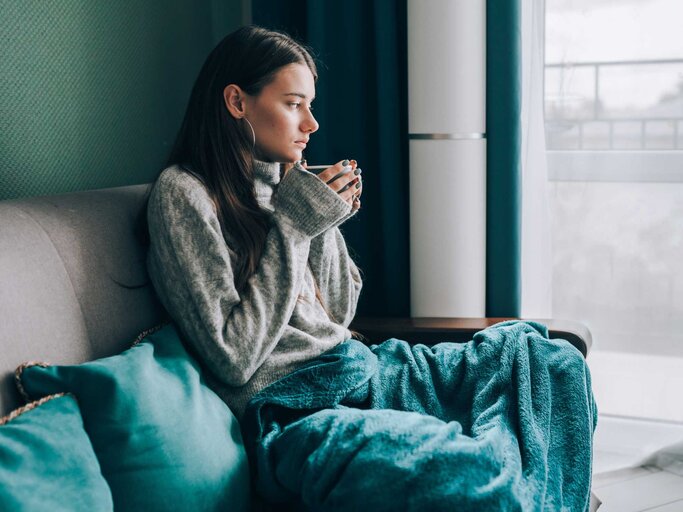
356	205
334	174
355	199
344	177
357	190
352	191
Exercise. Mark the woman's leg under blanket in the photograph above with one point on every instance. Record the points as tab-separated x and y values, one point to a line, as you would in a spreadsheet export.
384	460
511	376
508	416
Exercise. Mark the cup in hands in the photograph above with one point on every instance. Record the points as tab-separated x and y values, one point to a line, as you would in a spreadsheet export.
343	177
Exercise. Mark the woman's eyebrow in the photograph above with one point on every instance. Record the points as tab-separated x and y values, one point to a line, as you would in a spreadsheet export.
299	94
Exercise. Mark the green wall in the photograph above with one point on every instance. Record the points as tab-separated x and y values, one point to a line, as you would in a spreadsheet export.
92	92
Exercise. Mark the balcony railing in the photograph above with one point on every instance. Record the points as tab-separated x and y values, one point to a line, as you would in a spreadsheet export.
590	126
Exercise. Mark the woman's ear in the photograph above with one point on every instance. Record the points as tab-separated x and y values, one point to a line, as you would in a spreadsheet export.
234	101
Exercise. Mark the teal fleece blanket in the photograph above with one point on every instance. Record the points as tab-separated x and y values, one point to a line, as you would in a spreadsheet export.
503	422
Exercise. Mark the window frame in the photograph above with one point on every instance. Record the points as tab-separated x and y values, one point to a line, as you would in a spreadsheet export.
612	165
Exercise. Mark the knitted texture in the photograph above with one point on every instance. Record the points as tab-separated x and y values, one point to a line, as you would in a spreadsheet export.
250	338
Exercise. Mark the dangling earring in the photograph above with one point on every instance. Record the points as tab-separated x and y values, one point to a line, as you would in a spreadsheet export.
253	134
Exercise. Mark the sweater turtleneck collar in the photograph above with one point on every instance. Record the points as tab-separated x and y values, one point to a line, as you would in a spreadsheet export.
266	178
267	172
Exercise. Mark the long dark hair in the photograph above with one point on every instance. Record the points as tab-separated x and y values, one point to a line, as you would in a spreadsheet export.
218	149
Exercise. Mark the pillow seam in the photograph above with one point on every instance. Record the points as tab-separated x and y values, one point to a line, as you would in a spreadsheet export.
147	332
29	407
17	377
20	369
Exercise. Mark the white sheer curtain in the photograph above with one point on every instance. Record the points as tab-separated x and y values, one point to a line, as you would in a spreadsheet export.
536	223
614	108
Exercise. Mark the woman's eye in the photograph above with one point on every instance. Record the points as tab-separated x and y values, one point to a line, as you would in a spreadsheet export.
294	104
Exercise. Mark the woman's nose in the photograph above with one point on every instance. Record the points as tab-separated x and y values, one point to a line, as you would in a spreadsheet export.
310	124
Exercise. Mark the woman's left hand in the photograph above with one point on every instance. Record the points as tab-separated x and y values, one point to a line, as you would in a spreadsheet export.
350	195
355	200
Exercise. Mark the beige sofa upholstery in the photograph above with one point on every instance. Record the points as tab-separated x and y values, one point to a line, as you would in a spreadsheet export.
65	262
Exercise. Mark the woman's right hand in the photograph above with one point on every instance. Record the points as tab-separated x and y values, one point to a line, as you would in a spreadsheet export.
344	178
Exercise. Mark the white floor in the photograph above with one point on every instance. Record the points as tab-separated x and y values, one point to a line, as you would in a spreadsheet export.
638	465
638	462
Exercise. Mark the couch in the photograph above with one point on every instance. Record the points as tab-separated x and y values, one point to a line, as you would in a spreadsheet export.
74	288
63	261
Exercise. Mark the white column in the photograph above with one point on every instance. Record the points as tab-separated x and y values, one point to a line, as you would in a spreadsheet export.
447	125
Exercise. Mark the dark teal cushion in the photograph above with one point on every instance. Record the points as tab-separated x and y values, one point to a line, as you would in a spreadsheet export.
165	441
47	461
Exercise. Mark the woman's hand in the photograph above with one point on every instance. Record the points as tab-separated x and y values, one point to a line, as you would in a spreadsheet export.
355	205
345	179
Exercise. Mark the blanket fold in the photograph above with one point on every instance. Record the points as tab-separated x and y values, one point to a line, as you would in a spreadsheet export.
503	422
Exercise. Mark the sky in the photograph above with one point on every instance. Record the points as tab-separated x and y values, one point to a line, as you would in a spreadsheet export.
614	30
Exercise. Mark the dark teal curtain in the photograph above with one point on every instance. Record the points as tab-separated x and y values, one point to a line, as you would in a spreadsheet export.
503	129
361	105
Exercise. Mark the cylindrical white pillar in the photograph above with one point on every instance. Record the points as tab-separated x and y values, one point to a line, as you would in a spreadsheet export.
447	125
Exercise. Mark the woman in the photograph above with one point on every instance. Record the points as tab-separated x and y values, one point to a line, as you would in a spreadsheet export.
246	256
259	282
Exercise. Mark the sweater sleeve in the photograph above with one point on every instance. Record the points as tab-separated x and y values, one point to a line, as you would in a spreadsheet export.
336	274
192	269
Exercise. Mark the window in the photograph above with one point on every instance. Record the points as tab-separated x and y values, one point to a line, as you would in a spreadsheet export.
614	137
614	89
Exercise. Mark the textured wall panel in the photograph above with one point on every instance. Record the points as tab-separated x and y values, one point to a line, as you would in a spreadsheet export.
92	92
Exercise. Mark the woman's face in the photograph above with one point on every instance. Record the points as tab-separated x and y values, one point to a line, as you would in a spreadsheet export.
281	115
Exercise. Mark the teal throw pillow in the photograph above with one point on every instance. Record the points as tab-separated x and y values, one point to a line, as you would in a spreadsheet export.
47	461
164	440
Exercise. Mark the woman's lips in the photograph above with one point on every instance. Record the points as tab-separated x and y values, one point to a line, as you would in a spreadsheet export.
300	143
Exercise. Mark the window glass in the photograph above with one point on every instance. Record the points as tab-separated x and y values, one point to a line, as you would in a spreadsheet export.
613	89
614	74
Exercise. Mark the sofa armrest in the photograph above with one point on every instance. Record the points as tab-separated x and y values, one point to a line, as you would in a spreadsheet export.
434	330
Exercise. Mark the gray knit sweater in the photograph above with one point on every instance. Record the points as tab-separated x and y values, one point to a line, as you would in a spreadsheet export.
250	339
